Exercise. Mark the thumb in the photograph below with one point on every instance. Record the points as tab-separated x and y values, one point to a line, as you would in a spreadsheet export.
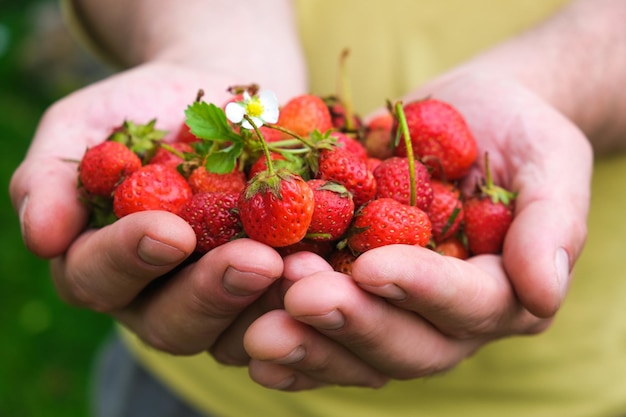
549	228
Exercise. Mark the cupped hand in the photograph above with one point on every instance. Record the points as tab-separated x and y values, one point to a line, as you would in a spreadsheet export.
135	269
409	312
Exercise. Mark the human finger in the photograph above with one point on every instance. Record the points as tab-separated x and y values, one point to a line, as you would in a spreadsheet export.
290	355
462	299
395	341
105	269
186	312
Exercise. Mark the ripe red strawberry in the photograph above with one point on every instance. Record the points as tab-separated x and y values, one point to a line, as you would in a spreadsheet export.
452	247
320	247
385	221
202	181
276	208
293	164
261	164
351	171
372	163
486	224
184	135
445	211
339	117
393	181
488	215
440	138
213	217
378	136
152	187
333	211
350	143
104	166
171	154
342	260
305	113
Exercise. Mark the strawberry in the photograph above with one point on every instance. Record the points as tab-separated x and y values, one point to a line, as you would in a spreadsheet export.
276	208
184	135
213	217
488	213
377	136
104	166
385	221
152	187
350	143
305	113
320	247
339	115
350	170
440	138
372	163
445	211
452	247
200	180
261	164
333	211
342	260
293	164
171	154
393	181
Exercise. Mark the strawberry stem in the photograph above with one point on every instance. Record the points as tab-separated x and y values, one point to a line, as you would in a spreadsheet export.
292	134
345	93
496	193
488	177
266	150
409	153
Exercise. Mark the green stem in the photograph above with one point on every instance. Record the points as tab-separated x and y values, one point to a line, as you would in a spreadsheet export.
172	150
292	134
345	93
266	150
409	152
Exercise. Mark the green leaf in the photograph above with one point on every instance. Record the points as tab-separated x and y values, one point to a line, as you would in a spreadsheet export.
208	122
224	160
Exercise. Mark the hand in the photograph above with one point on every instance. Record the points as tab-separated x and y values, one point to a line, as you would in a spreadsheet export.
134	269
408	312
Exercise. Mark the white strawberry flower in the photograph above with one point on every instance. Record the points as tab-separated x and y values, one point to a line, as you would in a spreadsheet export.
261	108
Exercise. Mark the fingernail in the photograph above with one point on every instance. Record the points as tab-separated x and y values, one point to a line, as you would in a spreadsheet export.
294	356
157	253
390	291
562	269
242	283
22	215
332	320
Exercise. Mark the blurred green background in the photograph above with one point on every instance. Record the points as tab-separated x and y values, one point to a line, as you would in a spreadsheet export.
47	348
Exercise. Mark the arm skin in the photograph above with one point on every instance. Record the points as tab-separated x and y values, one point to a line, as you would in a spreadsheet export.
332	330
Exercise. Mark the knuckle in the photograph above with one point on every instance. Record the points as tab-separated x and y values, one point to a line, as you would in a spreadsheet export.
77	293
158	338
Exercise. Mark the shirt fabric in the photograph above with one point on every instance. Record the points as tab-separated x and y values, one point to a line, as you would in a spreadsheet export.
575	368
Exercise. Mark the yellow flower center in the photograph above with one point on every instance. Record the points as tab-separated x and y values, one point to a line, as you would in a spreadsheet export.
254	107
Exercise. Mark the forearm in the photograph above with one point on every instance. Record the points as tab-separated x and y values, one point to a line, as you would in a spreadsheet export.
577	62
249	40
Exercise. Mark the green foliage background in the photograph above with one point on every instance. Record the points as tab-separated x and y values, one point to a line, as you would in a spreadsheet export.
47	348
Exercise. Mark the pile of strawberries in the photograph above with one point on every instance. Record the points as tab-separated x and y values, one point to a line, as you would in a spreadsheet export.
317	178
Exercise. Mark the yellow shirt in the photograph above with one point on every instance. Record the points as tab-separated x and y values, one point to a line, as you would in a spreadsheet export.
576	368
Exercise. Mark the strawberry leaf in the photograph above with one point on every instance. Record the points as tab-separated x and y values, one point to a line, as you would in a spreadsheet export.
208	122
224	160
